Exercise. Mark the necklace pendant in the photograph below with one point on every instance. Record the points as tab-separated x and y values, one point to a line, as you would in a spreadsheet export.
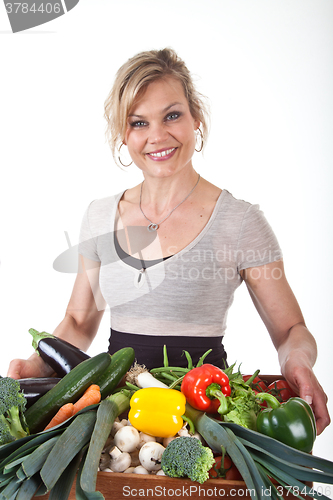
152	227
140	278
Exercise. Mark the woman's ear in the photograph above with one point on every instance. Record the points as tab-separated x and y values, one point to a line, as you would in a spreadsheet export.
197	124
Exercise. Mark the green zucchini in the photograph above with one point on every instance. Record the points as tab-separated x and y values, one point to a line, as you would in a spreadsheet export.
121	362
67	390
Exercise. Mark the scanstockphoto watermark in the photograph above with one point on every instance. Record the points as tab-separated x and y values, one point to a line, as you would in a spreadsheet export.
223	274
225	265
222	263
184	491
227	254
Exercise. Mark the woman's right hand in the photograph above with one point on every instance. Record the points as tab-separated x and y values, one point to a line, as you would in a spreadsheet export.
26	368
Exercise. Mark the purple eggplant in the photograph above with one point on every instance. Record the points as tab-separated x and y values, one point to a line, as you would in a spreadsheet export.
34	388
60	355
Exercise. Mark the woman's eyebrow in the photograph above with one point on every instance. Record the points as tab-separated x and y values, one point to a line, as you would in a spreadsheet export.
171	105
163	110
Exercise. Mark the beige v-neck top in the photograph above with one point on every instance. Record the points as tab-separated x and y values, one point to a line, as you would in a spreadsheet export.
190	293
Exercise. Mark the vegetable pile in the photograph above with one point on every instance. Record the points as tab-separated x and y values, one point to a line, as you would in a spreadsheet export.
266	431
197	422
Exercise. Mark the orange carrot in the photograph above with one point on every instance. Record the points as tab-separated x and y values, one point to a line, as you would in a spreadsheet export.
64	412
91	396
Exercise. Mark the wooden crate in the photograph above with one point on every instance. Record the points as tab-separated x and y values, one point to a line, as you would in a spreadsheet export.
119	486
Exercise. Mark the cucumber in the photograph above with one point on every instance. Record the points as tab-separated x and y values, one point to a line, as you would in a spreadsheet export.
67	390
121	362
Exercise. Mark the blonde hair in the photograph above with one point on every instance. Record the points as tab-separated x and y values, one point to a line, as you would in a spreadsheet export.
132	79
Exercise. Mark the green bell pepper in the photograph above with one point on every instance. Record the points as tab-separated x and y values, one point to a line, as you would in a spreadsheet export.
291	422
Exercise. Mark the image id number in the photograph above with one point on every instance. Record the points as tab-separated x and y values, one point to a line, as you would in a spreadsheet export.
296	491
25	8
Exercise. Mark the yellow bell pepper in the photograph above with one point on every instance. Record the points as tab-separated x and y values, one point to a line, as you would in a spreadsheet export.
157	411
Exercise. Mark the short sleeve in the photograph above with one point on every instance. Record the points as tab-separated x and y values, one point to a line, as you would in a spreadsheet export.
257	243
87	242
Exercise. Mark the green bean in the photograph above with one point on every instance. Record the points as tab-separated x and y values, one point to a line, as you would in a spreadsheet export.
165	357
169	377
189	360
201	360
176	383
169	368
130	386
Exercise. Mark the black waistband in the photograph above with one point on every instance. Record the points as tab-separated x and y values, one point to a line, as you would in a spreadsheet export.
172	341
149	348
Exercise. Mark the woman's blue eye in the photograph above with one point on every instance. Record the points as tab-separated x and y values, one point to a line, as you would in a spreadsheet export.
169	117
138	124
173	116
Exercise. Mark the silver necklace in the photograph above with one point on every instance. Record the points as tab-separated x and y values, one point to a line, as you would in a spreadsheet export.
153	226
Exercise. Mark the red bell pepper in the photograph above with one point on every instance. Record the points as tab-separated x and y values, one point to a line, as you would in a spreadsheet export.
205	389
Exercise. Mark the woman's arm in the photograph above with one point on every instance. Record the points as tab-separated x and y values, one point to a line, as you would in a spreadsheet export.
79	326
296	347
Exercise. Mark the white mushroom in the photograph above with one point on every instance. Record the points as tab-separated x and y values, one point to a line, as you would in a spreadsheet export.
184	431
120	461
168	440
145	438
130	470
196	435
116	426
150	455
135	458
140	470
160	473
127	438
104	461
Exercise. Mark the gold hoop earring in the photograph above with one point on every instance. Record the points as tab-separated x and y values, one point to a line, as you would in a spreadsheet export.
120	159
202	141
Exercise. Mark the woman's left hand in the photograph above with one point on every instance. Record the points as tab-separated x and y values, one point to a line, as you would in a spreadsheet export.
296	347
303	381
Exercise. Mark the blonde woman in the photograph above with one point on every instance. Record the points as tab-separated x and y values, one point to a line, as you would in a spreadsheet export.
168	254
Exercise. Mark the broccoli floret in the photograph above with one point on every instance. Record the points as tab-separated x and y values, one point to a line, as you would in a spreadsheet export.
187	457
12	406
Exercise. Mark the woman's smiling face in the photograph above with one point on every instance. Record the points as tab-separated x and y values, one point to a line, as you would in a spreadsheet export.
160	133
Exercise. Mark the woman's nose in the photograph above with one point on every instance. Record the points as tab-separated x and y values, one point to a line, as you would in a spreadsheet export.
157	133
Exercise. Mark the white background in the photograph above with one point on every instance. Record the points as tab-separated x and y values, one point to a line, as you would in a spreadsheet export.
267	69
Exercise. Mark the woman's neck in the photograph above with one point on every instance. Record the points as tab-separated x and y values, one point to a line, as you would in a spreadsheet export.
160	195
